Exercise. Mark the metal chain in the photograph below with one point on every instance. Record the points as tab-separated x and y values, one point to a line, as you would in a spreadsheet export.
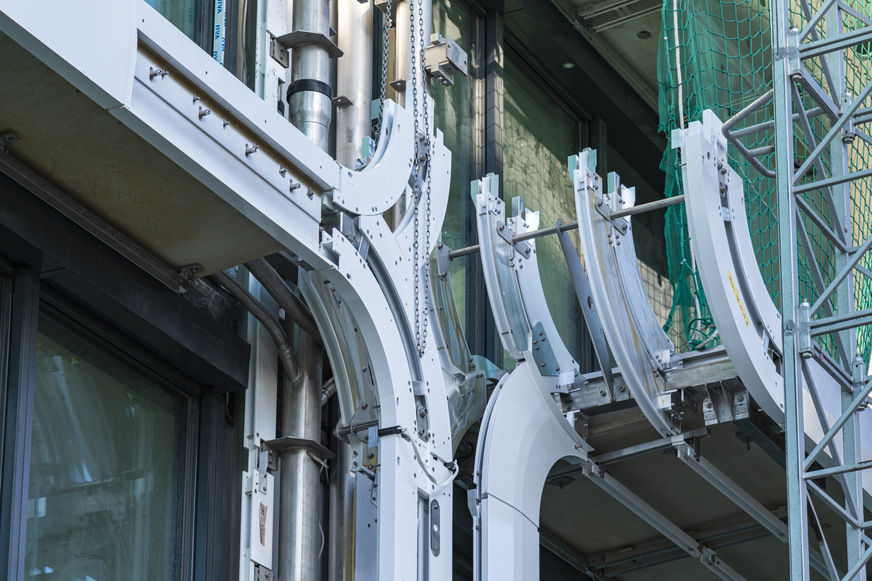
417	188
419	261
386	39
426	257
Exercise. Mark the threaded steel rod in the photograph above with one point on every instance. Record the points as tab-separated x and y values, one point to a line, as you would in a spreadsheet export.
659	204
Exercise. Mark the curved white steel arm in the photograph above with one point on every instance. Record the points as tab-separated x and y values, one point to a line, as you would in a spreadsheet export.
514	285
377	188
403	452
747	320
628	332
522	436
547	350
658	346
371	290
497	262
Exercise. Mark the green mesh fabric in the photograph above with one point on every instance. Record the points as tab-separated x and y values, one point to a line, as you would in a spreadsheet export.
716	55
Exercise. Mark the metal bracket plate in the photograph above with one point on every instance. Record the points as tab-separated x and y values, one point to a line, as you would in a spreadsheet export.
288	442
301	37
543	354
508	235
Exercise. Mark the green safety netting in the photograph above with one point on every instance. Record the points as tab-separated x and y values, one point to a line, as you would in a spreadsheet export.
716	55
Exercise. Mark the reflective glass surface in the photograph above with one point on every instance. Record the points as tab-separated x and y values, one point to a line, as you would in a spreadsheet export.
106	468
455	117
539	137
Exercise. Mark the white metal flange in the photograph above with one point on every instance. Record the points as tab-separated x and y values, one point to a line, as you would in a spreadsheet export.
627	331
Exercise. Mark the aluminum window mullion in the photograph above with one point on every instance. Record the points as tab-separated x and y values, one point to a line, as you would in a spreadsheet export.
17	413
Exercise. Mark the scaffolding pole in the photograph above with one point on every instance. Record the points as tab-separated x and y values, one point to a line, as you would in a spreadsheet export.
800	91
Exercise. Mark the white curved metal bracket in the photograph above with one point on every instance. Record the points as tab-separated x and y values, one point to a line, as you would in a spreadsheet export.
522	436
497	264
655	341
514	286
377	188
609	258
747	320
407	462
547	350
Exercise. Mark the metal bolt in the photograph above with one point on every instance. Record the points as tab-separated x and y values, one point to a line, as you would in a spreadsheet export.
249	149
204	112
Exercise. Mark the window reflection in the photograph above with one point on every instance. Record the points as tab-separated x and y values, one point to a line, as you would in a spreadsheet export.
539	136
104	500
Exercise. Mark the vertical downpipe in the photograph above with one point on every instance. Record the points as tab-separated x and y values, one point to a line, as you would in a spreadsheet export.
354	80
309	94
343	483
402	51
300	534
353	124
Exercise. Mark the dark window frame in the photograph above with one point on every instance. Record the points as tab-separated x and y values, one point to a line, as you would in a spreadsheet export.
208	470
22	301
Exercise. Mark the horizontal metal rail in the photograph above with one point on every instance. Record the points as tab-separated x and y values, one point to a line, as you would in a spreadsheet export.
631	211
834	324
727	130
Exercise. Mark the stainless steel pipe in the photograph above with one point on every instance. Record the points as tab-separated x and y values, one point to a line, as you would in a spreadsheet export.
300	534
354	80
309	95
402	49
341	550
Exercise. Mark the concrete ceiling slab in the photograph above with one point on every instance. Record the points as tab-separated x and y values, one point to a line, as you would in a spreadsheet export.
86	153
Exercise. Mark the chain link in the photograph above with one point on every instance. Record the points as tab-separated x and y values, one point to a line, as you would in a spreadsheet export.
420	262
427	152
386	39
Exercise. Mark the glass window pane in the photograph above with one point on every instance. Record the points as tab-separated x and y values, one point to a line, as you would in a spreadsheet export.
455	118
180	12
195	18
539	137
106	477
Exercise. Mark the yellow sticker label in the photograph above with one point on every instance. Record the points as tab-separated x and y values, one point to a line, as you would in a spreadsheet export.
738	298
